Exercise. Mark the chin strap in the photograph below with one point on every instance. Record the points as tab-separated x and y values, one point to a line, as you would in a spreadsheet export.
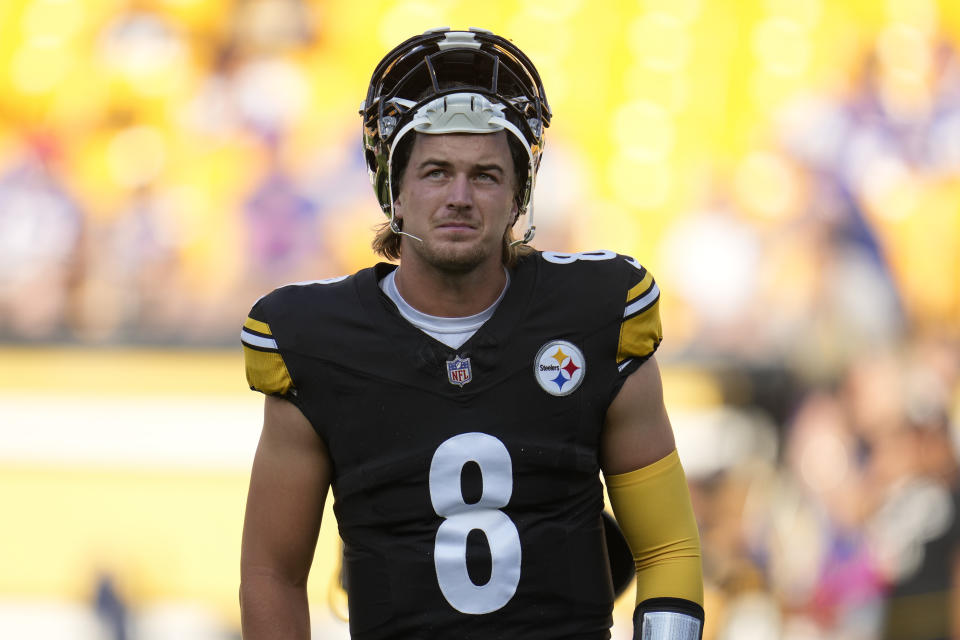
395	226
668	619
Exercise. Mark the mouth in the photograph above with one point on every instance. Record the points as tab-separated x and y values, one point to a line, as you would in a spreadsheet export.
456	225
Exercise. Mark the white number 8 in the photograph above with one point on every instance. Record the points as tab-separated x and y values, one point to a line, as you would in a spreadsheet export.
450	550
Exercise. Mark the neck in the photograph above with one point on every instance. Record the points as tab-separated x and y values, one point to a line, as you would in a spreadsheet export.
450	295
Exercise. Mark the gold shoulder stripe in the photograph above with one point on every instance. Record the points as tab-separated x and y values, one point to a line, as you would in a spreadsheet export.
649	298
640	288
256	325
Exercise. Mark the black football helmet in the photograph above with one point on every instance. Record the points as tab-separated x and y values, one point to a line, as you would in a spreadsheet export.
447	81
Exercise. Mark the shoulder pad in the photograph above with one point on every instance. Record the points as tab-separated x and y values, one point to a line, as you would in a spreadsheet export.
274	323
640	328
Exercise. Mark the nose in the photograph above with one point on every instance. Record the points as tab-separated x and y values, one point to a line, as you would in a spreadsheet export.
459	193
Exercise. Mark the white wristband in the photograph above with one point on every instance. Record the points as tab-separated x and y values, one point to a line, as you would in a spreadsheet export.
669	625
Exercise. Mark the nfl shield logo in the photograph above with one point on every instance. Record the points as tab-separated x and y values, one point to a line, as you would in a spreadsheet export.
459	371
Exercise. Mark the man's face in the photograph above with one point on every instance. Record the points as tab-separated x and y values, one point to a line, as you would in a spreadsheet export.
457	196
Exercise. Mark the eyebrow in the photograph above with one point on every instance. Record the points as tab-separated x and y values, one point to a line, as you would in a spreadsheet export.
477	167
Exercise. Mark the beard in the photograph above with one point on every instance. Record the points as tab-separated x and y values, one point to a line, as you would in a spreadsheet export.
454	257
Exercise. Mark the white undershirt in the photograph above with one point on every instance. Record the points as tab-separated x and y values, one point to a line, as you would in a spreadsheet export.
452	332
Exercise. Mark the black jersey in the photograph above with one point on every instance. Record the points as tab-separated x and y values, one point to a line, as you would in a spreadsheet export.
466	481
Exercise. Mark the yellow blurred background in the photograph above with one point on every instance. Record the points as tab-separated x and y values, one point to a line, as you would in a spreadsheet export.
788	169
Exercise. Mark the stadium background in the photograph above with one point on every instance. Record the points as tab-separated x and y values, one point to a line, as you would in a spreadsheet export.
789	171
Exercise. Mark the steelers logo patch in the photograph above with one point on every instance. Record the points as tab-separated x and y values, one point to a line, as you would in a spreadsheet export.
559	367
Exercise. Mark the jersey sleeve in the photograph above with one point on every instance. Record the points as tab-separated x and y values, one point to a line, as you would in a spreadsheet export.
265	368
640	328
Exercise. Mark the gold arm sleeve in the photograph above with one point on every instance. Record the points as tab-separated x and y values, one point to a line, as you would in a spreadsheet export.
652	506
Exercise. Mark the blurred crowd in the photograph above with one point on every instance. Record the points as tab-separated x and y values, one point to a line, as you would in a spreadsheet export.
822	322
829	511
811	305
150	185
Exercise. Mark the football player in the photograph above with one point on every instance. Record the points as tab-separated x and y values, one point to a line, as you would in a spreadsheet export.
462	404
